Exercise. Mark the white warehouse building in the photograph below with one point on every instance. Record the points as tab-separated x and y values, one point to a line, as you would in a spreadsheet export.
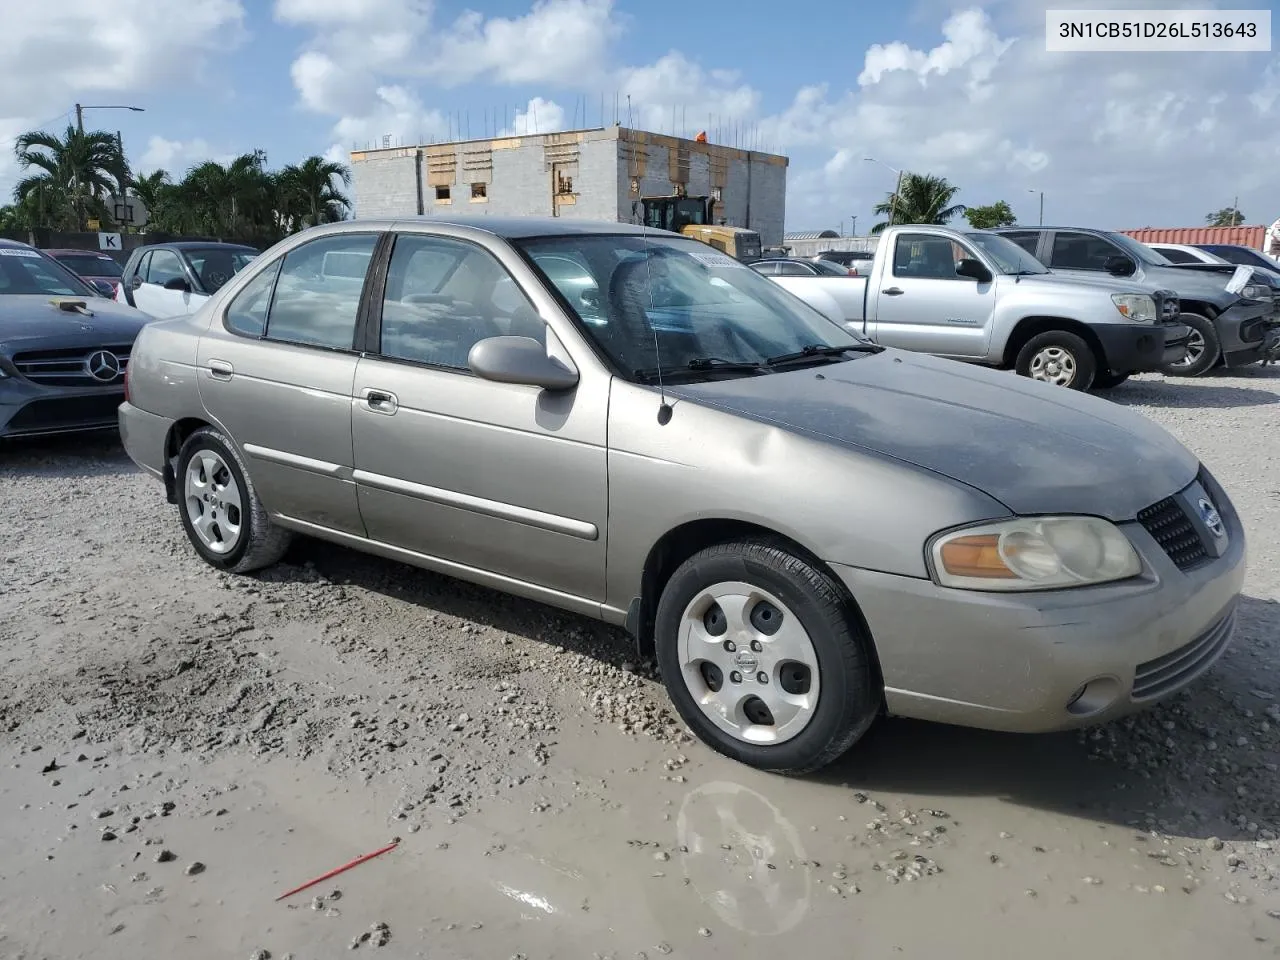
596	174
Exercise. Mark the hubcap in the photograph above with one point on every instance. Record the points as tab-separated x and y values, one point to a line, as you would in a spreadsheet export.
1054	365
213	502
748	663
1195	349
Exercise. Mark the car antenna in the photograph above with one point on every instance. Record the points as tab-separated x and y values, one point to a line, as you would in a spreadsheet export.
664	408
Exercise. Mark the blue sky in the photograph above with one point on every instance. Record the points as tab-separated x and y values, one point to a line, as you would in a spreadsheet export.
950	88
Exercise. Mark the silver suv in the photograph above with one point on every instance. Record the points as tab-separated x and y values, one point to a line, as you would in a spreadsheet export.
806	528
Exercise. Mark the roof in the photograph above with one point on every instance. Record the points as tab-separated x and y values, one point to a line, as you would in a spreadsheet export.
811	235
193	245
516	228
15	243
76	251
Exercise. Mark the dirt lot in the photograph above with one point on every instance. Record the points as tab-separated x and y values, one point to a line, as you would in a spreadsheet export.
178	748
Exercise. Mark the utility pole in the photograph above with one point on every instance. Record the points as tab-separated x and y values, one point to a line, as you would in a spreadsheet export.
75	171
1041	192
1235	211
853	226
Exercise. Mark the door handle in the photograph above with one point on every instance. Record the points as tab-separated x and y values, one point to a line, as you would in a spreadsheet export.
894	292
380	401
220	370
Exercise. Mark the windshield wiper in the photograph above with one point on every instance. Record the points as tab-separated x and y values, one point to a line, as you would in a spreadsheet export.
699	365
815	351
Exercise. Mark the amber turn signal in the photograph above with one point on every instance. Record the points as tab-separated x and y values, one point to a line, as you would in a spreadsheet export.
976	556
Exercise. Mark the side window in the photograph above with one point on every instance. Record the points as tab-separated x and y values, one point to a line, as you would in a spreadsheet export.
1028	240
165	266
247	313
926	257
768	269
793	270
144	264
1082	251
445	296
317	294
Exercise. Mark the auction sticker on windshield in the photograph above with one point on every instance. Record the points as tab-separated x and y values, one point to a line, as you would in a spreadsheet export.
718	260
18	252
1143	31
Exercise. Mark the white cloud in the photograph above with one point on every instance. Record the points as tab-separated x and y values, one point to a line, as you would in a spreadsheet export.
539	116
177	156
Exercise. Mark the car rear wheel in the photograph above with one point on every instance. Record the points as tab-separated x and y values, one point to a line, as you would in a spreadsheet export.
764	657
220	510
1058	357
1203	348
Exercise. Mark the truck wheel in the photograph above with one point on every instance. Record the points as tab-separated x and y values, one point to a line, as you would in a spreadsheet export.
220	510
764	658
1105	381
1203	350
1058	357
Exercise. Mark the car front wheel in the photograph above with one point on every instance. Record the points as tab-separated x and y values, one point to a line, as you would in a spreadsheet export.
220	510
1058	357
764	658
1203	348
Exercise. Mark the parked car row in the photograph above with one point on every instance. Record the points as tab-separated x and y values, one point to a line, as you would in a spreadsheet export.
68	319
682	436
1064	306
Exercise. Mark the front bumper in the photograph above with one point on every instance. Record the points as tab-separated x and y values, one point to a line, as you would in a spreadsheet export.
1014	661
1249	331
33	410
1137	347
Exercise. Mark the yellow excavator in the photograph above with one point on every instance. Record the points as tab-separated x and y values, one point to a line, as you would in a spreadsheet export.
692	216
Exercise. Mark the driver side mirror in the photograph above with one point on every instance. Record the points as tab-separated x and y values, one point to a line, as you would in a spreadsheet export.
974	270
177	283
520	360
1119	266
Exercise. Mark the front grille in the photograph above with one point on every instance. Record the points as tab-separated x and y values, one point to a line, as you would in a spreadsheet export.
1162	675
67	413
1169	526
68	368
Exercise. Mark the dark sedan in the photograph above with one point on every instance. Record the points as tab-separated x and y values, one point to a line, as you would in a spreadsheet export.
63	348
99	270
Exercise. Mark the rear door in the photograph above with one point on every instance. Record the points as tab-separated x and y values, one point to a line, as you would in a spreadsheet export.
1071	251
919	302
276	369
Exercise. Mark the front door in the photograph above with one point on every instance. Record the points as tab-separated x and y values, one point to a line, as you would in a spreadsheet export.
276	369
921	303
501	478
152	297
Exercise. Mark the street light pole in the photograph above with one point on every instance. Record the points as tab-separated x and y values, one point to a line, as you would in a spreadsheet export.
893	201
1041	192
80	109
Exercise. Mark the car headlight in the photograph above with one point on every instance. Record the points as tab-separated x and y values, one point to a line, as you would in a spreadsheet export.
1034	553
1256	291
1135	306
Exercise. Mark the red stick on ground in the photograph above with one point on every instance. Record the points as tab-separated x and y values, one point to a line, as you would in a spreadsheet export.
333	873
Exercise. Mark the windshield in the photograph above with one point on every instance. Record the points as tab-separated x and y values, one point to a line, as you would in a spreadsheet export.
636	296
28	272
89	265
1140	251
216	265
1009	258
1241	255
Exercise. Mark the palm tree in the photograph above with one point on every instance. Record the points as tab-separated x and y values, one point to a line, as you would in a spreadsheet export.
923	198
309	192
76	173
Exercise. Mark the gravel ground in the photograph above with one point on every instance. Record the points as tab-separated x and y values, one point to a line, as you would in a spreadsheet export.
180	746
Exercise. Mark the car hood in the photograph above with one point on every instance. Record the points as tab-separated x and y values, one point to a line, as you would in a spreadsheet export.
1070	284
1210	284
27	321
1034	447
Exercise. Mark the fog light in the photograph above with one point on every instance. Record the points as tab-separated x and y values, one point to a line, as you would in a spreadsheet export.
1071	700
1094	697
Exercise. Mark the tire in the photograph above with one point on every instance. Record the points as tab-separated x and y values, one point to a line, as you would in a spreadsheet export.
1058	357
1105	381
237	540
1204	339
753	578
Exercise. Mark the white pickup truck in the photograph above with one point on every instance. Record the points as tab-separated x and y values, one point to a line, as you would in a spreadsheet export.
978	297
